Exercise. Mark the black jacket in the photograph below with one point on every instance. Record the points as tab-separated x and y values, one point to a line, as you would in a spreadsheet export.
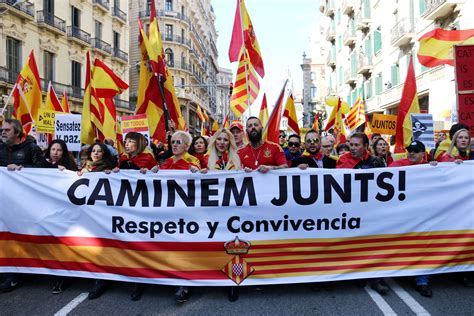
27	154
328	162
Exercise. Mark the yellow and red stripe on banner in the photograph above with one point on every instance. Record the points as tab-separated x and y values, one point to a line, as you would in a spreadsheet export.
394	254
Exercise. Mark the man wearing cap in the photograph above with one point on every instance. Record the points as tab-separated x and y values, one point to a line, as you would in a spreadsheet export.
237	129
292	152
259	154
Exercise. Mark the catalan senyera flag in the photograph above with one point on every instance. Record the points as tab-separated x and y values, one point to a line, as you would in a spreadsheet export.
408	105
27	96
272	129
65	103
52	101
356	115
199	114
243	35
336	122
315	126
263	115
290	114
436	46
246	86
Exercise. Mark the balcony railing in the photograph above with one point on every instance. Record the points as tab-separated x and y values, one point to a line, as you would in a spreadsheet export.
402	32
76	32
364	63
25	7
103	46
182	66
363	19
120	54
9	76
347	6
349	37
439	8
161	13
116	12
122	104
176	39
331	59
102	4
76	92
331	32
350	76
330	8
51	20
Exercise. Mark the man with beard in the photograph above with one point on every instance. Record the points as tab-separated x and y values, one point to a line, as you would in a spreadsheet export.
312	156
259	154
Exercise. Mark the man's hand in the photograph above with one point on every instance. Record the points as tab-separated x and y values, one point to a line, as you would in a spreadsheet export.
303	166
264	168
247	169
155	169
13	167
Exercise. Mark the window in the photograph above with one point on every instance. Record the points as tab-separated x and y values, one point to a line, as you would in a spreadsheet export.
353	97
182	11
183	60
378	84
116	41
183	82
117	4
13	58
168	32
48	10
395	75
368	89
313	76
313	91
378	40
368	48
182	35
98	30
169	57
48	66
75	17
339	42
148	7
168	5
76	76
422	6
338	16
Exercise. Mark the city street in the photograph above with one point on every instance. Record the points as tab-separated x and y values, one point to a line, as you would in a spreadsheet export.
341	298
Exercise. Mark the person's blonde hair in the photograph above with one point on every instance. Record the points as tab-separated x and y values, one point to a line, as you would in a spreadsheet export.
234	160
185	136
455	137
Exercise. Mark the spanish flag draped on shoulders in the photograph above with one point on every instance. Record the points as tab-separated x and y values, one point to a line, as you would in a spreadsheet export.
202	158
184	163
223	163
144	159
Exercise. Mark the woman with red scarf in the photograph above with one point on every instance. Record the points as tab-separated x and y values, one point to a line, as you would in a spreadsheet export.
223	152
459	150
137	156
198	149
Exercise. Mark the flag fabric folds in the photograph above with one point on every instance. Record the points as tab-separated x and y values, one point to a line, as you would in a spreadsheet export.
225	124
290	114
336	122
27	96
356	115
272	129
215	127
243	35
246	86
200	114
263	115
315	126
436	46
52	101
408	105
65	103
88	130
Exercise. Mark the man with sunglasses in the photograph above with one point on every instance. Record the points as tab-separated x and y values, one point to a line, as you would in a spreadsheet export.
312	156
416	155
293	151
282	139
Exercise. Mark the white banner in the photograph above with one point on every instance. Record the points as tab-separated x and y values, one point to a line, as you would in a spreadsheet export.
68	128
227	228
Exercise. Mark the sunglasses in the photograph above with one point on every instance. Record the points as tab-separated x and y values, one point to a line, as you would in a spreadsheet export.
177	142
312	141
291	144
413	150
282	136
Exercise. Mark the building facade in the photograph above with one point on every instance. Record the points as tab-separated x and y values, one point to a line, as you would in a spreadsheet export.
224	79
369	44
60	33
189	40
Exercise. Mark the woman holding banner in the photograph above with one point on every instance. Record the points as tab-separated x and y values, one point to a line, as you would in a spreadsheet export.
381	150
223	152
57	156
459	149
198	149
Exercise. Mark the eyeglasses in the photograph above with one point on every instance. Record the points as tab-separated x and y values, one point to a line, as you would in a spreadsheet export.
176	142
282	136
312	141
291	144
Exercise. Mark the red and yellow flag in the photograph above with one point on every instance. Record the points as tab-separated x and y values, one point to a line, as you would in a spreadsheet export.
215	127
356	115
52	101
120	144
272	129
243	35
335	121
408	104
290	114
65	103
225	124
88	130
263	115
200	115
27	96
436	46
246	86
315	126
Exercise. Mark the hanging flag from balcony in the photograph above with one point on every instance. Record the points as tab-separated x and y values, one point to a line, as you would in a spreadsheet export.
290	114
356	115
243	35
246	87
436	46
408	105
263	115
27	96
272	129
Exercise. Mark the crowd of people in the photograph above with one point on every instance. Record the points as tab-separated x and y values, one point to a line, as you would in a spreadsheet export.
227	150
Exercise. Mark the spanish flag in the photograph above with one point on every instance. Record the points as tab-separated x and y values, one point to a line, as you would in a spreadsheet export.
263	115
88	130
226	122
336	122
271	132
200	115
436	46
52	101
290	114
315	126
243	35
408	104
215	127
65	103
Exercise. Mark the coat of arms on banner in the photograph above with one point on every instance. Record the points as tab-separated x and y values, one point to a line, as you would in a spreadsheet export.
237	269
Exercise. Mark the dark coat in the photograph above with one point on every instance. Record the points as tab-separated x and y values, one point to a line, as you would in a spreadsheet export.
26	153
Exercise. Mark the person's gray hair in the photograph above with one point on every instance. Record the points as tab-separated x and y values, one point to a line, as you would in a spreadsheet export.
17	127
185	136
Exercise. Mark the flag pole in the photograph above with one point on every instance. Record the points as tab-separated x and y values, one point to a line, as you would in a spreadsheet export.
159	80
8	100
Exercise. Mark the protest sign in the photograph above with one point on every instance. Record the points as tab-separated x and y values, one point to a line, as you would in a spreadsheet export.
423	129
464	71
384	124
46	119
68	128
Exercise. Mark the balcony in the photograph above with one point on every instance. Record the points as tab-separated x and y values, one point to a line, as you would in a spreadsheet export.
364	63
182	66
435	9
349	37
8	76
120	55
350	76
123	104
23	9
176	39
347	7
330	8
331	33
403	32
363	19
163	13
119	15
102	5
331	59
51	22
74	33
98	44
76	92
